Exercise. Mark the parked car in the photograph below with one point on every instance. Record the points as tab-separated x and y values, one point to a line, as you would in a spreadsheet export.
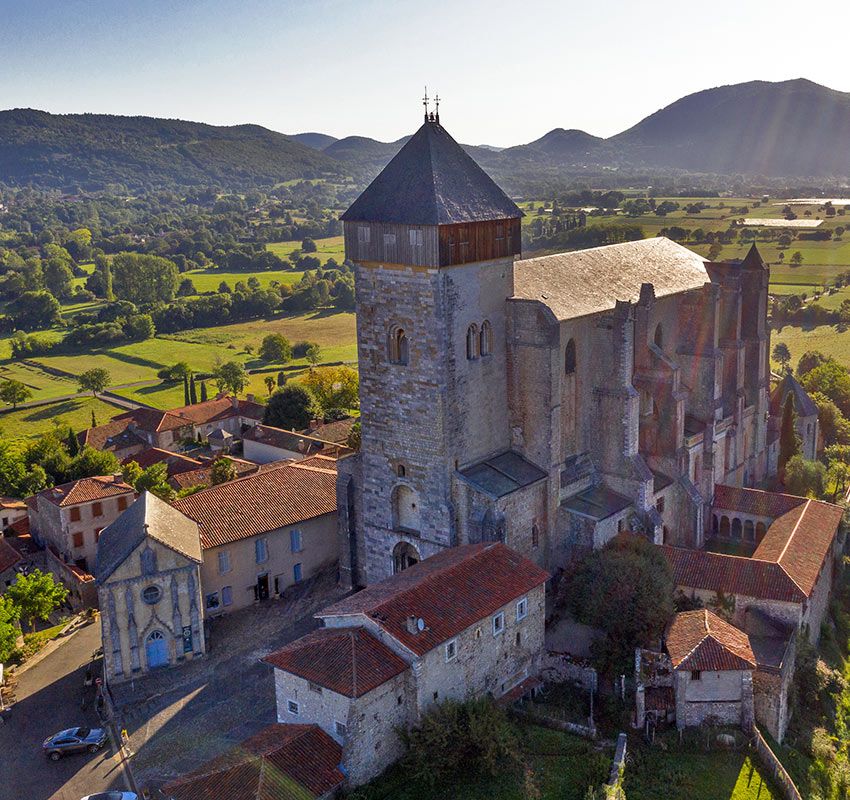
111	796
74	740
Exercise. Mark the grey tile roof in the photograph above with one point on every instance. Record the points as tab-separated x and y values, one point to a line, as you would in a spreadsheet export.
598	502
584	282
803	404
432	181
148	516
502	474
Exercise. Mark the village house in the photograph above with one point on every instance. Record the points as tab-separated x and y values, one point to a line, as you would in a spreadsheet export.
202	475
175	462
281	761
11	510
265	532
466	622
263	444
547	402
67	521
149	590
10	562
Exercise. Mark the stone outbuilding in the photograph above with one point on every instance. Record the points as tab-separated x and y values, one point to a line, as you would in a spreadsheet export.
149	588
807	414
465	622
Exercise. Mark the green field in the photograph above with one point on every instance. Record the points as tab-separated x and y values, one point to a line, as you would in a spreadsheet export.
42	385
332	247
824	338
28	422
208	280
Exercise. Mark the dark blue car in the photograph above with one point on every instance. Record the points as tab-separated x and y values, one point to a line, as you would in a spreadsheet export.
74	740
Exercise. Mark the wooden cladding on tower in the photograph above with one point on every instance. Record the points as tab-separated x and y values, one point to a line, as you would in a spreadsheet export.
479	241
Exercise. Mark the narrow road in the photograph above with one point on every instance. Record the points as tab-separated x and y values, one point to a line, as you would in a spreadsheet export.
48	700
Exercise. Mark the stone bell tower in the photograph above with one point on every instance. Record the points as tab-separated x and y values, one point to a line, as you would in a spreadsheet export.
433	240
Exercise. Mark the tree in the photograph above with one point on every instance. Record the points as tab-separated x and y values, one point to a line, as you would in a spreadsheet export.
281	379
174	373
291	408
35	310
36	594
222	471
186	288
789	442
782	355
204	397
144	278
354	437
833	425
89	462
153	479
58	277
832	380
14	392
838	470
333	387
626	589
73	443
276	348
9	616
193	390
230	377
94	380
270	384
186	390
809	360
308	246
714	252
139	327
313	354
796	259
804	478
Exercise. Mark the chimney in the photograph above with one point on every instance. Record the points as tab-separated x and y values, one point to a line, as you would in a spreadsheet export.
234	401
415	625
249	398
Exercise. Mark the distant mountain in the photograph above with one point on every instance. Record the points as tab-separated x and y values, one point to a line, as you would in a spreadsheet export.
791	128
318	141
363	151
96	150
559	145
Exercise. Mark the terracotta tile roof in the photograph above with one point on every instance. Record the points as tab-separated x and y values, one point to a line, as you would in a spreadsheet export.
203	475
699	569
85	490
800	541
700	640
153	420
281	762
177	462
218	410
113	435
265	501
450	591
348	661
20	527
12	503
336	432
9	556
583	282
755	501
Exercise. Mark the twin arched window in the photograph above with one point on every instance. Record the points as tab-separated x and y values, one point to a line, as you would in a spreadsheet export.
570	358
479	342
397	345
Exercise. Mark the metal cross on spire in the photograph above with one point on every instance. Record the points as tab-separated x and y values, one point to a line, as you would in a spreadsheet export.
437	107
425	103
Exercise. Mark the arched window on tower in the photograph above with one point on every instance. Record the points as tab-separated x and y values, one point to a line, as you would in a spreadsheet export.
405	502
397	345
472	342
570	358
486	339
658	338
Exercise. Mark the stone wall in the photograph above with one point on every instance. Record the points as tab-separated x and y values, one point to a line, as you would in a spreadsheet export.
725	697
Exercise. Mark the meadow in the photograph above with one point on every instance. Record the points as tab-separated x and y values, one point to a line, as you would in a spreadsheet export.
29	422
331	247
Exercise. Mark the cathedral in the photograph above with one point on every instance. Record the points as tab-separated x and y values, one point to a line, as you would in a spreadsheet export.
549	402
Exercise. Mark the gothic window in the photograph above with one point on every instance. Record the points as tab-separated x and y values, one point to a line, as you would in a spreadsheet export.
404	555
472	342
148	561
398	346
570	358
486	339
658	338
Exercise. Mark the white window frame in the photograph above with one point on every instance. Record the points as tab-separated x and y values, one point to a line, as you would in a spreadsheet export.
224	558
522	609
451	645
499	623
290	704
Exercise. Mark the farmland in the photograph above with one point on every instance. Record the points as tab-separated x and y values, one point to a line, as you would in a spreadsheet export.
332	247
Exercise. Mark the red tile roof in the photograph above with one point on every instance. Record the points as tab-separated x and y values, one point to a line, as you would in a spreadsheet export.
699	569
755	501
265	501
348	661
9	556
86	490
177	462
450	591
218	410
12	503
281	762
153	420
336	432
113	435
203	475
700	640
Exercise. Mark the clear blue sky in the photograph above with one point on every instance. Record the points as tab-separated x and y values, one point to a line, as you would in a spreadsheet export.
507	72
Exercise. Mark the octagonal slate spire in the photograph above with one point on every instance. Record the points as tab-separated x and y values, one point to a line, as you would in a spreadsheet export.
432	180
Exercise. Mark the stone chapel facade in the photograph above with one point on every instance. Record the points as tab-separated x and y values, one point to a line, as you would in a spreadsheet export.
547	403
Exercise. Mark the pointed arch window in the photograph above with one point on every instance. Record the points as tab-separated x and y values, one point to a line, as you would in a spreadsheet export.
397	345
472	342
658	338
485	338
570	358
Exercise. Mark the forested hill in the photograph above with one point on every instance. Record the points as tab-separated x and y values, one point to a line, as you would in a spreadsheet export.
94	151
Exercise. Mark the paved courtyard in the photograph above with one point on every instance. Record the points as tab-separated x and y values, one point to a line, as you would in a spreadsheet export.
179	718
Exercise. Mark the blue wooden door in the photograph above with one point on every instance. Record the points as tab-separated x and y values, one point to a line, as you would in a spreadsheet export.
157	650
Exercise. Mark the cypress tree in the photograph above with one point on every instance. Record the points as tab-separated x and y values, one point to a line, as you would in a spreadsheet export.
73	444
93	419
186	400
193	392
789	443
203	391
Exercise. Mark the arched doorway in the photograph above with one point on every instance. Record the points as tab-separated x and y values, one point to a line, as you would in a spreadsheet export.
406	509
404	555
749	531
736	528
156	650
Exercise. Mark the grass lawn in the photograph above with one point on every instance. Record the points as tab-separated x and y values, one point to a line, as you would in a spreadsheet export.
332	247
564	767
42	385
208	280
33	642
28	422
824	338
